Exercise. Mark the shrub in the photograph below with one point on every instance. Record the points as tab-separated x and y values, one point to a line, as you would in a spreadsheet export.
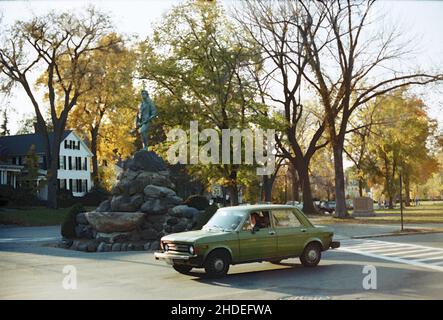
198	202
68	226
21	196
65	199
6	193
94	197
204	218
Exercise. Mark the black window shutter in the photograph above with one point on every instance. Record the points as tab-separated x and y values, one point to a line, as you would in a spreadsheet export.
70	162
86	185
64	162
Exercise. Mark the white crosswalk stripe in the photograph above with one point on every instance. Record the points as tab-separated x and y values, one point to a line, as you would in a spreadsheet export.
417	255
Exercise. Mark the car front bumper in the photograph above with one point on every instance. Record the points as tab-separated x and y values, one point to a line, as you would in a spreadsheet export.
173	258
334	244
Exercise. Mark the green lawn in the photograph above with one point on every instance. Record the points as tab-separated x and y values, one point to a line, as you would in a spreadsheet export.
33	216
426	212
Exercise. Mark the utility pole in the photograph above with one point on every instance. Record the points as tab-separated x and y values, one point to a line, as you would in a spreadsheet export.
401	200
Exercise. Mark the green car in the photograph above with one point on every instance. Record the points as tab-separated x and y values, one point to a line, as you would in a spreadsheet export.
248	233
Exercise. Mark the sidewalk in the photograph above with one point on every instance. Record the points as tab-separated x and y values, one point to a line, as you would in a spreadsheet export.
348	230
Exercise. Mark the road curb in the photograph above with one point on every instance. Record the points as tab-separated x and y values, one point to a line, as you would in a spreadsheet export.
380	235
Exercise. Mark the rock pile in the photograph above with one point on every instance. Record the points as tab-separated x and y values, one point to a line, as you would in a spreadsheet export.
143	208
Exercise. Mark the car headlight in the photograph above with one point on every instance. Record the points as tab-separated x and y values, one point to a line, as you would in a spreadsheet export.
191	249
166	247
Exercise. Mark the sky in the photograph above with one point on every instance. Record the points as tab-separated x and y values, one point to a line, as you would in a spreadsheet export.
423	20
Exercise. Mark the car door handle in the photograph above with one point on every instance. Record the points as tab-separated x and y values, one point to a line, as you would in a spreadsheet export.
303	230
271	233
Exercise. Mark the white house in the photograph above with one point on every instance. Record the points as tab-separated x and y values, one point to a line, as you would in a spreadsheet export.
74	163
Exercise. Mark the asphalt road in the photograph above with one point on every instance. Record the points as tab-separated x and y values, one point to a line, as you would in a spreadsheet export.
407	267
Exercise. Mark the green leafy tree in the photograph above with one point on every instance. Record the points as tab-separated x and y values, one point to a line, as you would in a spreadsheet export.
197	66
401	145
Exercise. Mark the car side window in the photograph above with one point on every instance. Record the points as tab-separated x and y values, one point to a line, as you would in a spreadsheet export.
257	220
285	219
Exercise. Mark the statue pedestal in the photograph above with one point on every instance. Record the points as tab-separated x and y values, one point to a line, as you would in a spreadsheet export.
144	207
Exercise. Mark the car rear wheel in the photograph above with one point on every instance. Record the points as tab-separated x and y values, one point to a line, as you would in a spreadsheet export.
182	268
217	264
311	255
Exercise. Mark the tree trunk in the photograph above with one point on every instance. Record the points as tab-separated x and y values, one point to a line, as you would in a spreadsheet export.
360	187
267	188
308	205
233	194
295	187
95	176
52	165
391	202
340	198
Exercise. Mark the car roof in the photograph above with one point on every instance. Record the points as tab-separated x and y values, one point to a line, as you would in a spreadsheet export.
258	207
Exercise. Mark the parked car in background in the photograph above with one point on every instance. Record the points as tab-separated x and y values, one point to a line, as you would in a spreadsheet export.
327	206
247	233
298	205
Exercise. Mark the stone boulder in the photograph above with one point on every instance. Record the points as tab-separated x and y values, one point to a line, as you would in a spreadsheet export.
153	191
126	203
104	206
114	221
184	211
146	161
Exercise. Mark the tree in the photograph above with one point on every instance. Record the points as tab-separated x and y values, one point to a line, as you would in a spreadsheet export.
105	116
272	26
31	169
350	64
393	152
197	64
47	42
356	143
4	126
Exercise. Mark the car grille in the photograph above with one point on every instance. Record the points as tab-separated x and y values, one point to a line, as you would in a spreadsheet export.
177	247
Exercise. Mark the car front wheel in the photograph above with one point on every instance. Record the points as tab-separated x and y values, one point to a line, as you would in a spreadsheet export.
182	268
311	255
217	264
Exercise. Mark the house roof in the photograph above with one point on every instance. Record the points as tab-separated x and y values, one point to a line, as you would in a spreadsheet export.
20	144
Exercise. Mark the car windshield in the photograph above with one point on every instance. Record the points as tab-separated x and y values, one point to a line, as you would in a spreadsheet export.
225	220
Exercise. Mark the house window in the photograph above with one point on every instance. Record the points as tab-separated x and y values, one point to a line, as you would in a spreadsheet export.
62	162
78	145
80	185
66	144
61	184
70	162
86	185
70	185
85	164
